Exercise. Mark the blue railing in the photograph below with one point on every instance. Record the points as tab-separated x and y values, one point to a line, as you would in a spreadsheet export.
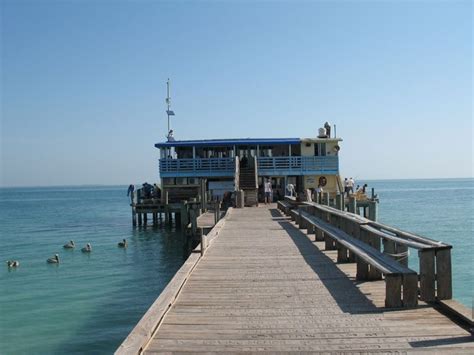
197	167
275	166
280	166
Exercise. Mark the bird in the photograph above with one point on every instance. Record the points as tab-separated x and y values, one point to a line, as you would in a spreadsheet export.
123	244
69	245
53	260
87	248
13	263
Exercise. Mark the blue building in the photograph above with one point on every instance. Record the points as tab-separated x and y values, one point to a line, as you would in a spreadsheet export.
209	168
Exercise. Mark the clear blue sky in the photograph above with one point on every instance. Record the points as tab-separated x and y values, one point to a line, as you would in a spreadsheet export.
83	83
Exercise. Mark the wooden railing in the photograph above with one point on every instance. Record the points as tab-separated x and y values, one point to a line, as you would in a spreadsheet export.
434	257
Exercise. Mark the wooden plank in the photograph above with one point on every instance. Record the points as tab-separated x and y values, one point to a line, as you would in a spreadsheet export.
263	285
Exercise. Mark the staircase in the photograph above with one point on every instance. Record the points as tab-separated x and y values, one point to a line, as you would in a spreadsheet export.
248	183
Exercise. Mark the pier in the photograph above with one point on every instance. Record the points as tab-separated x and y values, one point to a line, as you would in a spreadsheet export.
306	277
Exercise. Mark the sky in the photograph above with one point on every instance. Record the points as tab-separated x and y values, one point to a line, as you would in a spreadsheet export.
83	83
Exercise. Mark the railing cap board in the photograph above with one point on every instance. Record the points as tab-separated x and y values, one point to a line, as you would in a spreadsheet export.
398	240
369	254
348	215
412	236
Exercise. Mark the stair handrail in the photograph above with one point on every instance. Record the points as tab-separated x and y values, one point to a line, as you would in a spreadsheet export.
237	174
256	172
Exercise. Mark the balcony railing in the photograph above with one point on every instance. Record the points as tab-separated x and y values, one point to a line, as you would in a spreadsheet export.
197	167
275	166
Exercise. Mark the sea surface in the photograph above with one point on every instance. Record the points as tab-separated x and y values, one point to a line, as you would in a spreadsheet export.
90	302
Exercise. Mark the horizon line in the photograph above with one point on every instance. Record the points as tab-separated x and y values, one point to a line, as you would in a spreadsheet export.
126	184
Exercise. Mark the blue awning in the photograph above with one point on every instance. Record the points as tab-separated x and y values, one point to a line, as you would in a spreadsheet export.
228	142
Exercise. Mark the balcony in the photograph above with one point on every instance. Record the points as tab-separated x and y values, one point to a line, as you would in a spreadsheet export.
199	167
281	166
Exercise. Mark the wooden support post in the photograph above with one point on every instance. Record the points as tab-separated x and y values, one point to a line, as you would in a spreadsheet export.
145	218
319	237
203	242
155	218
341	254
444	289
362	270
402	249
329	243
393	290
134	216
389	248
167	217
373	210
139	219
410	290
326	198
193	218
352	204
427	274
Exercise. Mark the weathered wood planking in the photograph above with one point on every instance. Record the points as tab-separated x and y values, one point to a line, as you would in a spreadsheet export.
264	285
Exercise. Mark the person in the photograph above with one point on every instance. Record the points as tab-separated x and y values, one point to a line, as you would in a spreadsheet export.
291	189
346	187
244	161
268	191
309	195
170	136
364	188
130	190
327	126
351	184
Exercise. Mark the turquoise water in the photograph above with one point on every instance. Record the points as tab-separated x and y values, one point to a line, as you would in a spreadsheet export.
438	209
89	303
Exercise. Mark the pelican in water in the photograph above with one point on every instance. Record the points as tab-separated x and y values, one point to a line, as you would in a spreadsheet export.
123	243
13	263
87	248
54	259
69	245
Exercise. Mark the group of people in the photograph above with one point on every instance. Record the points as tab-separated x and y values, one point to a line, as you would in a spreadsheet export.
147	191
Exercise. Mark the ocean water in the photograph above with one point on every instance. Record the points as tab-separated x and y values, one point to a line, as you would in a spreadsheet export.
89	303
440	209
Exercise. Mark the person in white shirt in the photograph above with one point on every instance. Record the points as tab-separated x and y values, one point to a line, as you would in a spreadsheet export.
351	184
268	191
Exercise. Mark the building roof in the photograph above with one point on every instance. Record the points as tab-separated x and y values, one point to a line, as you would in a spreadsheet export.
228	142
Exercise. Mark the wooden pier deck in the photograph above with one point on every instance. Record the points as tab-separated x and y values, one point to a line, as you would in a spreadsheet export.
264	285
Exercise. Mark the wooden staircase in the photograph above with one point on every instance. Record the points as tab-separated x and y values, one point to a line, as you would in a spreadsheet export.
248	183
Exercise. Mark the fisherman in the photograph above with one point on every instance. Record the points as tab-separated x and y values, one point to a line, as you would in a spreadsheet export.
268	191
130	190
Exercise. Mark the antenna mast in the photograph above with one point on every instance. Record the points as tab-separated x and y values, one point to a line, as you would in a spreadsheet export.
168	102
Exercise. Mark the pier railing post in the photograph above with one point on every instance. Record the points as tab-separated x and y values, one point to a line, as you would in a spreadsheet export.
352	204
427	274
444	289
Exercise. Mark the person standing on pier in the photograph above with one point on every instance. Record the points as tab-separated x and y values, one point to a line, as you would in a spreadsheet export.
130	190
346	187
351	185
268	191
